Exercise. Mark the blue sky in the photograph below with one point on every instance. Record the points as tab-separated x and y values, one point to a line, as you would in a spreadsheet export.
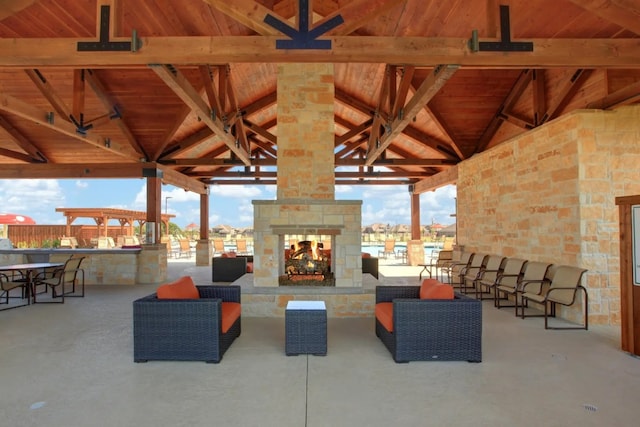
231	205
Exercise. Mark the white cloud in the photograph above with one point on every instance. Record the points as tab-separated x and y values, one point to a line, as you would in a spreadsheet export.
236	191
82	184
36	198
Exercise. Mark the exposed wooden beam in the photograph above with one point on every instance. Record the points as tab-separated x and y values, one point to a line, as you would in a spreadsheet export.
260	104
510	100
564	96
374	135
16	155
56	101
539	99
403	89
25	110
249	13
439	121
181	86
427	90
625	13
418	51
211	161
180	180
446	177
269	181
210	89
259	130
110	106
78	95
100	170
625	96
353	132
33	153
202	136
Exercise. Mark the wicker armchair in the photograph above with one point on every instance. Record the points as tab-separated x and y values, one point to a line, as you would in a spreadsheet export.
184	329
431	329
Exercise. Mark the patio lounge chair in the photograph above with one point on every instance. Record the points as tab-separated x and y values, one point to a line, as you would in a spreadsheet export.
562	290
389	249
428	329
187	323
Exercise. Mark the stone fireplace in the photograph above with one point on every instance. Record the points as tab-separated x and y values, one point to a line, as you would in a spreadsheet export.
305	204
275	219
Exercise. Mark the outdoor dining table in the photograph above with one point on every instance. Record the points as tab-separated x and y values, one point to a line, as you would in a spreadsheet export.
28	270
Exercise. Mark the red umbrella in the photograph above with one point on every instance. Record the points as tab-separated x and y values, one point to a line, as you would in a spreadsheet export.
192	226
7	218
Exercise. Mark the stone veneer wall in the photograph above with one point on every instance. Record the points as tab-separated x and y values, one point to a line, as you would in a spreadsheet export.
550	195
341	218
306	132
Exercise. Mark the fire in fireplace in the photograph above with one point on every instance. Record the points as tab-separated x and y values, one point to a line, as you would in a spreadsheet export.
307	263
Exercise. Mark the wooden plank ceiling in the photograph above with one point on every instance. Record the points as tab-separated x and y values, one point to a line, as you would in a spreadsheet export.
194	90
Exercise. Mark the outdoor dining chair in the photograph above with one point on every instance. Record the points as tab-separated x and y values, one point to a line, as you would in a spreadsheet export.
564	287
8	284
62	279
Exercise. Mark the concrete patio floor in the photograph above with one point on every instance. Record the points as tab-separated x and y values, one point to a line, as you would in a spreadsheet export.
72	365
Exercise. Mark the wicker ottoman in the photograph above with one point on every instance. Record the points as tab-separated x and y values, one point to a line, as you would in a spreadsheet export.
305	328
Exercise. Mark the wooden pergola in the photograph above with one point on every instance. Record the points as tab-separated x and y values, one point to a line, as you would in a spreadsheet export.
102	216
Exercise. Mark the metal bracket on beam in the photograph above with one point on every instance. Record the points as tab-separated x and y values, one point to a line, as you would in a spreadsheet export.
303	38
505	44
104	44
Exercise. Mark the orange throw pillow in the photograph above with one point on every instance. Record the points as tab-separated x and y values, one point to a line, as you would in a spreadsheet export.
426	285
230	313
249	267
439	291
183	288
366	255
384	314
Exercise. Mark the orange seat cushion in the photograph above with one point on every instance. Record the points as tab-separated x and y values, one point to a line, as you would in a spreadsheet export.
249	267
426	285
366	255
230	313
183	288
384	314
439	291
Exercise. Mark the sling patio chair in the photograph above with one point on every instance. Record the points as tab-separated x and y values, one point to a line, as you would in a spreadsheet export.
8	284
61	279
509	277
472	272
563	289
218	247
457	268
389	249
534	275
488	276
241	247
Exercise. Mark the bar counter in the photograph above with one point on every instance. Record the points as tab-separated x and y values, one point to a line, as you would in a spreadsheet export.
144	265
